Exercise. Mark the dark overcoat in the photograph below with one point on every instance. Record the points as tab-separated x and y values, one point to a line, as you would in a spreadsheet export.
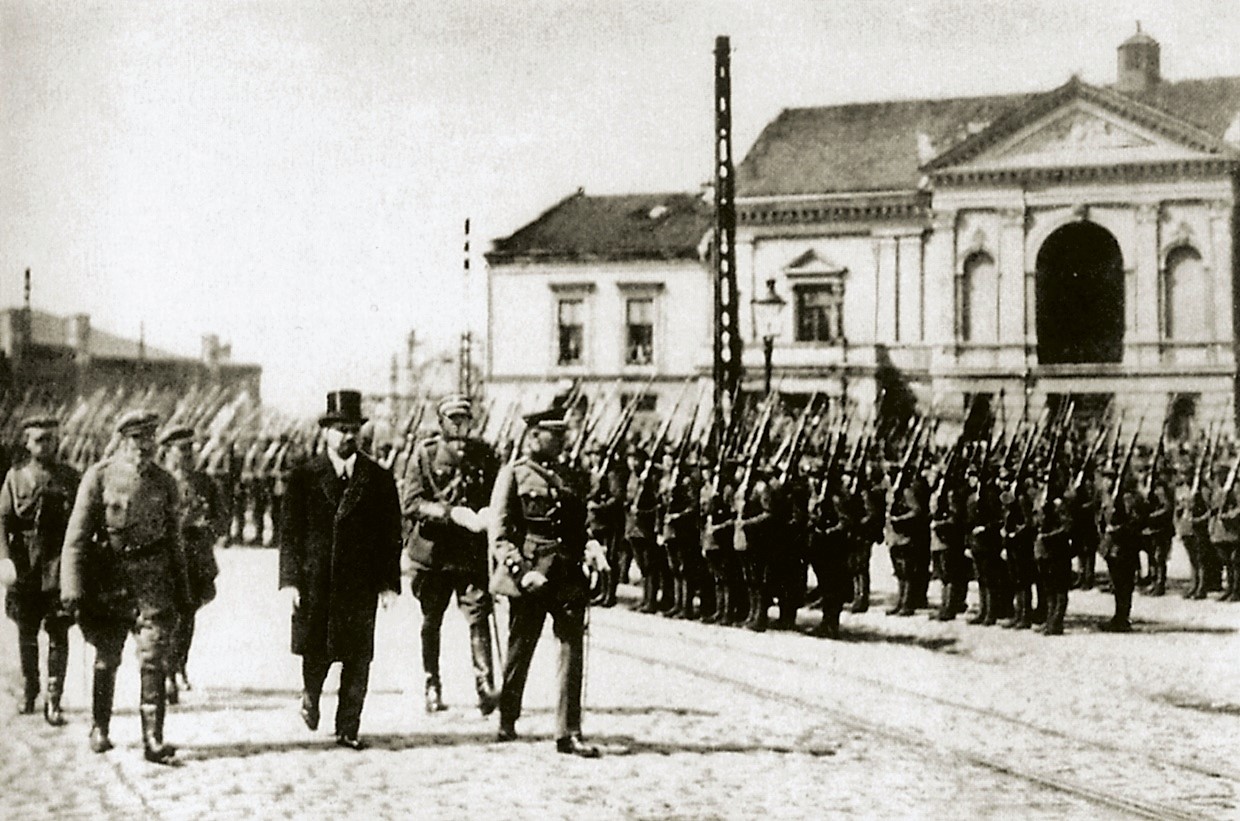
340	547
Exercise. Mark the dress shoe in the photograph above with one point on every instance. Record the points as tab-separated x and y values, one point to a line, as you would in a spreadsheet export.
99	741
434	698
352	742
575	745
506	733
310	711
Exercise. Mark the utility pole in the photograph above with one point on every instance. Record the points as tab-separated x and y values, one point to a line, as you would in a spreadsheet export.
464	375
727	347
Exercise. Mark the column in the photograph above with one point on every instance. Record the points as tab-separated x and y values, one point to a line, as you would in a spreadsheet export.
1147	330
1222	265
1013	307
941	307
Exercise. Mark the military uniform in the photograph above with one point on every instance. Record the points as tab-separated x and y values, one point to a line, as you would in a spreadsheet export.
640	523
123	564
984	541
605	514
1119	546
539	511
202	523
1053	554
833	515
1192	524
446	557
1158	526
34	510
718	523
681	538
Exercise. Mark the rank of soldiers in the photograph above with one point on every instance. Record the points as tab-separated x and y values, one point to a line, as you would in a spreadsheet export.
110	516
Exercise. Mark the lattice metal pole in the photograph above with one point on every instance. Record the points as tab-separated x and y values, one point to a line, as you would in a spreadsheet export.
464	376
727	347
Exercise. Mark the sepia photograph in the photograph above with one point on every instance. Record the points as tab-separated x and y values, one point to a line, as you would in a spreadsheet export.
844	395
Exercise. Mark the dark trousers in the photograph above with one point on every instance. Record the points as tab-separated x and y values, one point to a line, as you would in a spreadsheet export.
182	639
1123	569
434	590
526	616
354	680
32	612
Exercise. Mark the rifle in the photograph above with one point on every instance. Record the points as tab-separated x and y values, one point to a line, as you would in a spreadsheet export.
655	446
1124	466
682	448
909	450
1090	454
796	439
1158	457
752	454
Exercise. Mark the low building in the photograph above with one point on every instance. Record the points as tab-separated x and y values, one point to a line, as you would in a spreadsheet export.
601	289
63	356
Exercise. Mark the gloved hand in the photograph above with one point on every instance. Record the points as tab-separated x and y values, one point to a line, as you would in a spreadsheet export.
466	518
533	581
387	598
435	510
596	557
8	573
292	595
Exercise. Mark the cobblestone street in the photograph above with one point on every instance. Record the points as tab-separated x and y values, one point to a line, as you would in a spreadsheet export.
906	717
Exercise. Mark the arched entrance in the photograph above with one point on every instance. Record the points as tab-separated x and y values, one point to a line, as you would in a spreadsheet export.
1080	296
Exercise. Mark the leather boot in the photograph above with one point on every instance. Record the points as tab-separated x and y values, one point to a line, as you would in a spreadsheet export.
1160	579
102	690
52	713
484	675
721	606
861	594
30	672
647	605
434	695
687	610
152	710
172	693
901	597
678	599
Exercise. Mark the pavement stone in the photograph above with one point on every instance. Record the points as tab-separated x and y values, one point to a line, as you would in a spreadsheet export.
697	722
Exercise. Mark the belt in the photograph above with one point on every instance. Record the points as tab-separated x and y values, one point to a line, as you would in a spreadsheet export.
130	551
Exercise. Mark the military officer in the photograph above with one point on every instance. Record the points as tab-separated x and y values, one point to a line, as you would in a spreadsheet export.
124	568
202	526
448	480
34	510
539	535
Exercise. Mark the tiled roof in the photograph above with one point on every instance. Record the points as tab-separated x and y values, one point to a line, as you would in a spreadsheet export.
611	228
882	146
52	331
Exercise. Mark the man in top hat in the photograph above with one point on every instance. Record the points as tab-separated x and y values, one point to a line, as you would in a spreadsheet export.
539	535
34	510
123	568
446	482
202	525
339	559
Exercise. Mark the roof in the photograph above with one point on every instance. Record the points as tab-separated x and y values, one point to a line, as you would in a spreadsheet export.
883	146
611	228
52	331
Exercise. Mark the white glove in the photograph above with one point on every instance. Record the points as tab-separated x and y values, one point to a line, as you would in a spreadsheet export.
533	581
292	595
435	510
387	598
596	556
8	573
466	518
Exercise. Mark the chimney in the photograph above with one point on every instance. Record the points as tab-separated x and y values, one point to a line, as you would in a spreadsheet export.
1138	64
77	336
211	351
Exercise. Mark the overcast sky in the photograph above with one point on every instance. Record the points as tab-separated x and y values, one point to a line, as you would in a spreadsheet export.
294	174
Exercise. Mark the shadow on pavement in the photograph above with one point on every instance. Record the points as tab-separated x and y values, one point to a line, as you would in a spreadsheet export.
627	745
388	742
866	635
1096	623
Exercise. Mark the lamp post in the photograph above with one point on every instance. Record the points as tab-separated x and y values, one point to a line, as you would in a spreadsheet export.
768	313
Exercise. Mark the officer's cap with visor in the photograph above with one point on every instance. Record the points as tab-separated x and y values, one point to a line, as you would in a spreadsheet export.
456	404
551	419
40	423
176	436
136	423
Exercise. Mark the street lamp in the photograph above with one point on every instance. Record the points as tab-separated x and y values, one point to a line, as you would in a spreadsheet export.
767	315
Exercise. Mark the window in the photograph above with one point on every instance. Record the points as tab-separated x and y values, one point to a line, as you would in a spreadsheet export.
639	320
820	312
1185	296
646	402
571	315
979	293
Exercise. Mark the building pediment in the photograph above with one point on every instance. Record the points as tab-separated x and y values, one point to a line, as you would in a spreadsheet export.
1078	125
812	264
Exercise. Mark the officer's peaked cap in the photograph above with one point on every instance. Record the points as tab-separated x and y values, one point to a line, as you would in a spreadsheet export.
42	422
175	435
549	419
137	421
456	404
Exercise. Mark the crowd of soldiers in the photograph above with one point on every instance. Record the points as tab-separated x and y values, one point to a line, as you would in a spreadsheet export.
727	521
725	512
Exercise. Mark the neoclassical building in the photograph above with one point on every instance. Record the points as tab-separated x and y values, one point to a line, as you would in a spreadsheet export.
1026	248
1073	243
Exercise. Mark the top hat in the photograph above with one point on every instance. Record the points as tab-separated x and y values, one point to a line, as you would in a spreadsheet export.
343	406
